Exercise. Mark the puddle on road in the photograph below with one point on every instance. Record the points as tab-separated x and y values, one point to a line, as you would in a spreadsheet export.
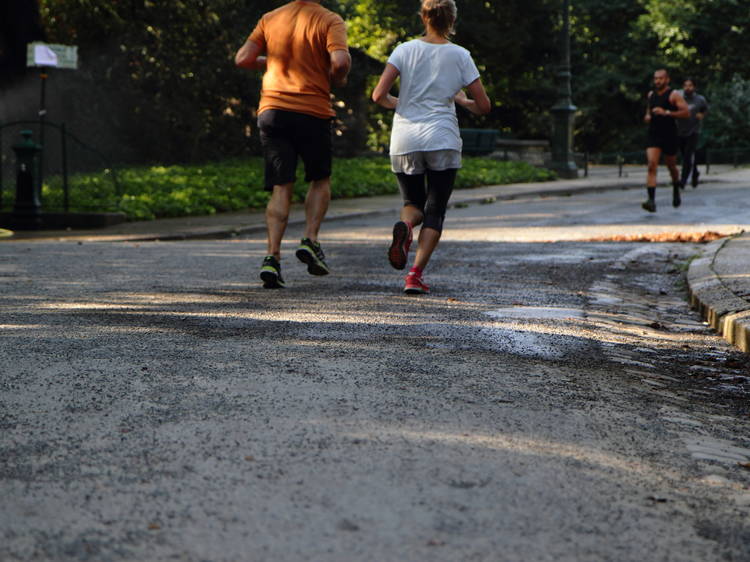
536	313
706	448
527	344
583	255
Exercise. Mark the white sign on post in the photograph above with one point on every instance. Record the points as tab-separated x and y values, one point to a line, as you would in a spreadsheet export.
44	56
52	55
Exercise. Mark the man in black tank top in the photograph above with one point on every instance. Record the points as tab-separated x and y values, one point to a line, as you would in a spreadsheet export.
664	106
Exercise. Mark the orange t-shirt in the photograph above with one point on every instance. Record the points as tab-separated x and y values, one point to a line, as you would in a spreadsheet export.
297	39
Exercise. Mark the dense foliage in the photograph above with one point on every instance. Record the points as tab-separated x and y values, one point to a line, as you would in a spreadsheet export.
169	64
616	46
618	43
183	190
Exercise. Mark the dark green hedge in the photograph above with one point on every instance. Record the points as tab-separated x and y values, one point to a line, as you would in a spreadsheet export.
174	191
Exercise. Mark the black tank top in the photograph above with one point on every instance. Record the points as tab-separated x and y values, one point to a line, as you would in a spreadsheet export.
662	124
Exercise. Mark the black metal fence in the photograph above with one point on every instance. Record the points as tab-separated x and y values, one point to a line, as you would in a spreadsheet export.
62	152
706	156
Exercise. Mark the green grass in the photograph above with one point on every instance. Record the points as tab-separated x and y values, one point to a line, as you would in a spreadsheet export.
174	191
684	265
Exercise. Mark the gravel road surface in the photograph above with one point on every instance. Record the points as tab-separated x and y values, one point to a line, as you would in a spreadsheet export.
553	399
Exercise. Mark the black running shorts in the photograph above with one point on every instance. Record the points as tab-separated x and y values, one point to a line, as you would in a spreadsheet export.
285	135
669	144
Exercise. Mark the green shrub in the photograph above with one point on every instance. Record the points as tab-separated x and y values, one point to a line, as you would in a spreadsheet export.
146	193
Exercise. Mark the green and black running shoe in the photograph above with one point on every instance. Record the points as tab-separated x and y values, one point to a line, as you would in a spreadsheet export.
270	273
311	253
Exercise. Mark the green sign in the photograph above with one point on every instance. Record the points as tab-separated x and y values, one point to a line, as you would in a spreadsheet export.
51	55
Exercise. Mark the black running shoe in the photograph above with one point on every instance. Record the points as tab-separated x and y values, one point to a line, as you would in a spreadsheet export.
649	205
270	273
311	253
695	178
676	199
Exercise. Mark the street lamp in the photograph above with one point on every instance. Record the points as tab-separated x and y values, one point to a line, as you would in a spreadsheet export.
562	112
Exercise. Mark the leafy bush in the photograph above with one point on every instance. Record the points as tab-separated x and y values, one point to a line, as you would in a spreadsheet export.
173	191
729	113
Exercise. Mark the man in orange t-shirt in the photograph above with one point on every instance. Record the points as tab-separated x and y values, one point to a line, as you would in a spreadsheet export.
305	53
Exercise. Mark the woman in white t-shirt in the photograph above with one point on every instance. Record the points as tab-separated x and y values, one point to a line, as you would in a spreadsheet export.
425	141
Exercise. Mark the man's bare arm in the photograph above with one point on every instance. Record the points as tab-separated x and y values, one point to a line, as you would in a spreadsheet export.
248	56
683	110
647	117
341	63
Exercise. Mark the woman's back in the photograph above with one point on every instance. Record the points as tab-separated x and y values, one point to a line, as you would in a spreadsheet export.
431	75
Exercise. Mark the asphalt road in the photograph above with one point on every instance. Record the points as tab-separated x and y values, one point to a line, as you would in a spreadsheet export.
553	399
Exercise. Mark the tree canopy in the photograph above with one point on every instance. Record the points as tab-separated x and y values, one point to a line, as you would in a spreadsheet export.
172	60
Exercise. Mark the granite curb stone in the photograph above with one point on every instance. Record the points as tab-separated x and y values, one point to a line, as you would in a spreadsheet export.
725	311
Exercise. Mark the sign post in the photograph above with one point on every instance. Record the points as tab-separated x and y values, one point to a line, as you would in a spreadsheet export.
43	56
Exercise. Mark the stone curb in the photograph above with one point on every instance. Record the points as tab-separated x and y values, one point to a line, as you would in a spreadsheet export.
724	311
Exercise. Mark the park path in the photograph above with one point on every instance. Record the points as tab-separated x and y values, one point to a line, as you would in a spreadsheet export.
550	401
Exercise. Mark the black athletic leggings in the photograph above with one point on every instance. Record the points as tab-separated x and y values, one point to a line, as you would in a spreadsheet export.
431	199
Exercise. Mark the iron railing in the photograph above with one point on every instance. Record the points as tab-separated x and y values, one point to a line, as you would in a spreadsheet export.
65	135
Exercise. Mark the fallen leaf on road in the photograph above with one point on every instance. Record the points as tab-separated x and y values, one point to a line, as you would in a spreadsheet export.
690	237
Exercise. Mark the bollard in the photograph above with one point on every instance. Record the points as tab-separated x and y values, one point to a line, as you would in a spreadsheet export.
27	211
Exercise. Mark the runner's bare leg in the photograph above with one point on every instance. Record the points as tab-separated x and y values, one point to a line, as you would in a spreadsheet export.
316	206
653	155
277	217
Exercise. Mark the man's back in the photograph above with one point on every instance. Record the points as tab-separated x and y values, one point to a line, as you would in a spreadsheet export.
298	39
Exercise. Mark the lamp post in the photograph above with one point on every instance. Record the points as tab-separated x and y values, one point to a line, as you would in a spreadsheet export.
562	112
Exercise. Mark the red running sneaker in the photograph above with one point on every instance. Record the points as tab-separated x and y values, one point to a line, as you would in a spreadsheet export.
414	285
398	253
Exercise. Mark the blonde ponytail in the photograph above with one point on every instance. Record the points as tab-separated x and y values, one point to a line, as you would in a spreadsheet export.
440	15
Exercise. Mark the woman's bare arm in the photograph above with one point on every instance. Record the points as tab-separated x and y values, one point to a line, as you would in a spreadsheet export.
479	103
381	94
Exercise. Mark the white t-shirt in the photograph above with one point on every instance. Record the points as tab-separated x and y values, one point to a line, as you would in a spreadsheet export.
431	75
